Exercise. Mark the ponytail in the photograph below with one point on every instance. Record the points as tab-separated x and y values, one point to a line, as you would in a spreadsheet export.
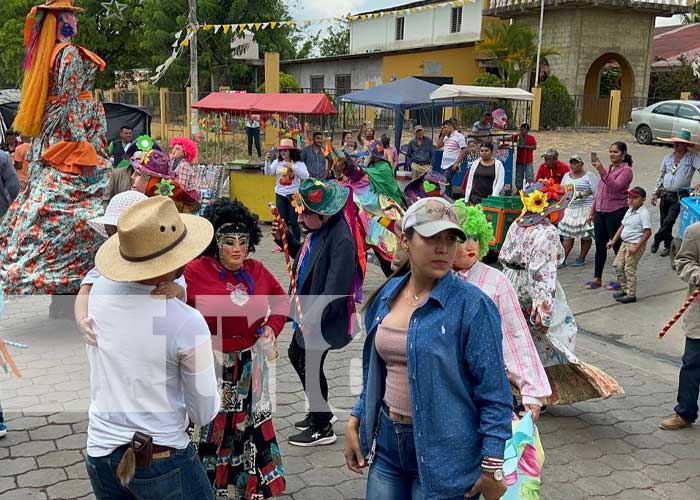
628	159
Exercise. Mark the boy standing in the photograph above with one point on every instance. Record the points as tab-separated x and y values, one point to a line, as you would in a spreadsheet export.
634	233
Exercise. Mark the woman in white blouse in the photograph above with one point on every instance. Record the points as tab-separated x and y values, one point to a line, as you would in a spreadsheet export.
485	177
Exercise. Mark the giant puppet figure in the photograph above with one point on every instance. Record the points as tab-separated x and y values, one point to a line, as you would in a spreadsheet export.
46	245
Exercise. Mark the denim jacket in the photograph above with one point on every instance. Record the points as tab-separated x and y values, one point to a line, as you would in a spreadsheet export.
461	397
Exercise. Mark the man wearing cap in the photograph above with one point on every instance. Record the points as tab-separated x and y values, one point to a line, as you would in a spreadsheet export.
154	365
326	269
525	160
674	182
420	153
552	168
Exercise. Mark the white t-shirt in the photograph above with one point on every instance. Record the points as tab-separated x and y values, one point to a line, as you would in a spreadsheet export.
634	224
452	148
153	367
300	172
93	275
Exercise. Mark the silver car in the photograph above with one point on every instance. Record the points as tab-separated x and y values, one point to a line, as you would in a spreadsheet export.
663	119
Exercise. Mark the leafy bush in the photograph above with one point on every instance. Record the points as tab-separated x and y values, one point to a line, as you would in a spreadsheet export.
557	108
487	80
287	84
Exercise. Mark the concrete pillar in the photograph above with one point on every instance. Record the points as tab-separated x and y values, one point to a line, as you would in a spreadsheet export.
112	95
685	96
164	114
188	105
141	97
615	101
371	113
536	105
98	95
272	72
224	89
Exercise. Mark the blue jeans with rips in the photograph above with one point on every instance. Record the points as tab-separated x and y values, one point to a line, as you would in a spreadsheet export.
178	477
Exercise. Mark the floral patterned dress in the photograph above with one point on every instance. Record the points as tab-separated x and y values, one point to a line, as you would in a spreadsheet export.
530	256
46	245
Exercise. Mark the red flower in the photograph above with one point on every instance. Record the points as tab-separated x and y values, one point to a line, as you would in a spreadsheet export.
552	189
316	196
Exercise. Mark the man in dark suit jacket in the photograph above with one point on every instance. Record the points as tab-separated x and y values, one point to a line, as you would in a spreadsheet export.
327	272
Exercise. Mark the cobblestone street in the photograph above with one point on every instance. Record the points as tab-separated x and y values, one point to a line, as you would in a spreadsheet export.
610	449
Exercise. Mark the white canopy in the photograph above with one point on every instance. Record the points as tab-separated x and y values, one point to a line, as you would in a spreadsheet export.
462	93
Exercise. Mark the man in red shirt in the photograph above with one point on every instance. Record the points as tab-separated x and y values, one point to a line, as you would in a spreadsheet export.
524	162
552	168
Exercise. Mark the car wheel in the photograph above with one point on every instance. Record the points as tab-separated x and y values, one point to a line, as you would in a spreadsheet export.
644	135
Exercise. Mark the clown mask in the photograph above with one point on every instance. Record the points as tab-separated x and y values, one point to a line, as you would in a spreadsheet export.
233	249
467	254
67	27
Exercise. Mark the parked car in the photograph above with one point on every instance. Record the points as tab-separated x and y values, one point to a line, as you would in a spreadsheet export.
662	119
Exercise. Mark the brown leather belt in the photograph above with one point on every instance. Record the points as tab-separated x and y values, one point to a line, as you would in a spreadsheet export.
160	452
402	419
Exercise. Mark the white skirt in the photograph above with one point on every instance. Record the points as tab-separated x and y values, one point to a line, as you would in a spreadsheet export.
575	223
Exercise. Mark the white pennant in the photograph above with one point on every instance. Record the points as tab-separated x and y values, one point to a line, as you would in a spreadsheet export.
217	27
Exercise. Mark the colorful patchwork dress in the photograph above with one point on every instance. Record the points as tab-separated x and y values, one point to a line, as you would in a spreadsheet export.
46	245
530	256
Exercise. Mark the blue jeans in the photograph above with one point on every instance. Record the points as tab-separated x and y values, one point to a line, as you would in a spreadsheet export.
449	174
524	173
178	477
689	381
394	472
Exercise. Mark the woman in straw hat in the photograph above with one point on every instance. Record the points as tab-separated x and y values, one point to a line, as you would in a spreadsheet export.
290	171
45	242
234	293
154	367
530	254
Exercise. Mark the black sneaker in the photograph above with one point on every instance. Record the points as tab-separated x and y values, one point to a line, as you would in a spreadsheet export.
627	299
619	293
302	425
314	437
654	247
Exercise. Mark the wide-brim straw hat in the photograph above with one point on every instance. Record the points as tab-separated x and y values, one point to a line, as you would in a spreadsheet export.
152	240
61	5
683	136
286	144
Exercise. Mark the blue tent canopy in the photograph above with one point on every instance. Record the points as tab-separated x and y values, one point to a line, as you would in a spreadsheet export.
399	96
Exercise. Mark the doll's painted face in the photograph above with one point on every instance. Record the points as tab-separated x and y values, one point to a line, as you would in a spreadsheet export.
67	27
177	152
467	254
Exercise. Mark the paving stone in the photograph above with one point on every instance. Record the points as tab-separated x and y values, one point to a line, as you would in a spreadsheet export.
623	462
61	458
599	485
14	466
77	471
67	417
70	489
50	432
13	437
7	483
24	494
295	465
684	451
318	493
323	477
26	423
676	491
32	448
40	478
73	442
654	457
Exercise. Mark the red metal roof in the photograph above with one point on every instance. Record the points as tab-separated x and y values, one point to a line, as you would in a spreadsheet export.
672	41
239	102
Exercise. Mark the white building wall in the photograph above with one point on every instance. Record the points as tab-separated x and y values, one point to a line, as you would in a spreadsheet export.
362	71
421	29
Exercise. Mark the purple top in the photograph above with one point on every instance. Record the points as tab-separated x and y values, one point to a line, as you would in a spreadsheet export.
612	190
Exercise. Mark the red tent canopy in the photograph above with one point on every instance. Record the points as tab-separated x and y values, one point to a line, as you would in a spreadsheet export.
309	104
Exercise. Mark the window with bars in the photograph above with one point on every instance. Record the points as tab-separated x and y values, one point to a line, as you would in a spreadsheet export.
399	28
456	20
342	84
317	84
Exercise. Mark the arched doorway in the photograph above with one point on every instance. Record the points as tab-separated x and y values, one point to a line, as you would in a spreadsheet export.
607	73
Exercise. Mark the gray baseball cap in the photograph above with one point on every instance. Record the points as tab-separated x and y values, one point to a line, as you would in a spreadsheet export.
430	216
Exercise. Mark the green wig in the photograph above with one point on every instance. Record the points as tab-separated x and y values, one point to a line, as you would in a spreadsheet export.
473	221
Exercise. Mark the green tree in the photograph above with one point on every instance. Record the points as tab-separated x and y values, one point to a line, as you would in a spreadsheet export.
337	39
669	84
487	80
557	105
288	84
513	49
694	15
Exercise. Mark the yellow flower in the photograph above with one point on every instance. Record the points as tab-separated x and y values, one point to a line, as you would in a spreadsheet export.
536	202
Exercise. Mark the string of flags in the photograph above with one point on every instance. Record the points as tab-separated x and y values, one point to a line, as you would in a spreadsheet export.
240	27
184	37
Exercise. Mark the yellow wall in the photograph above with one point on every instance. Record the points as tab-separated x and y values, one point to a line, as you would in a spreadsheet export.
459	63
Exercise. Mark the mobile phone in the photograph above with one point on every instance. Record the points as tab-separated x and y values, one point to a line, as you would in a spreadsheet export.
594	157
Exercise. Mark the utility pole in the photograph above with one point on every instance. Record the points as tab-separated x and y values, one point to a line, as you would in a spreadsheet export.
539	46
194	73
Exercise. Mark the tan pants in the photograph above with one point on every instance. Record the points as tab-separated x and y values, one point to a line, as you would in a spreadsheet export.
625	266
418	170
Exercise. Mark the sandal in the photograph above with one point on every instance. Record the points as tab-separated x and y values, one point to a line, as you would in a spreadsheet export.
613	285
592	285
